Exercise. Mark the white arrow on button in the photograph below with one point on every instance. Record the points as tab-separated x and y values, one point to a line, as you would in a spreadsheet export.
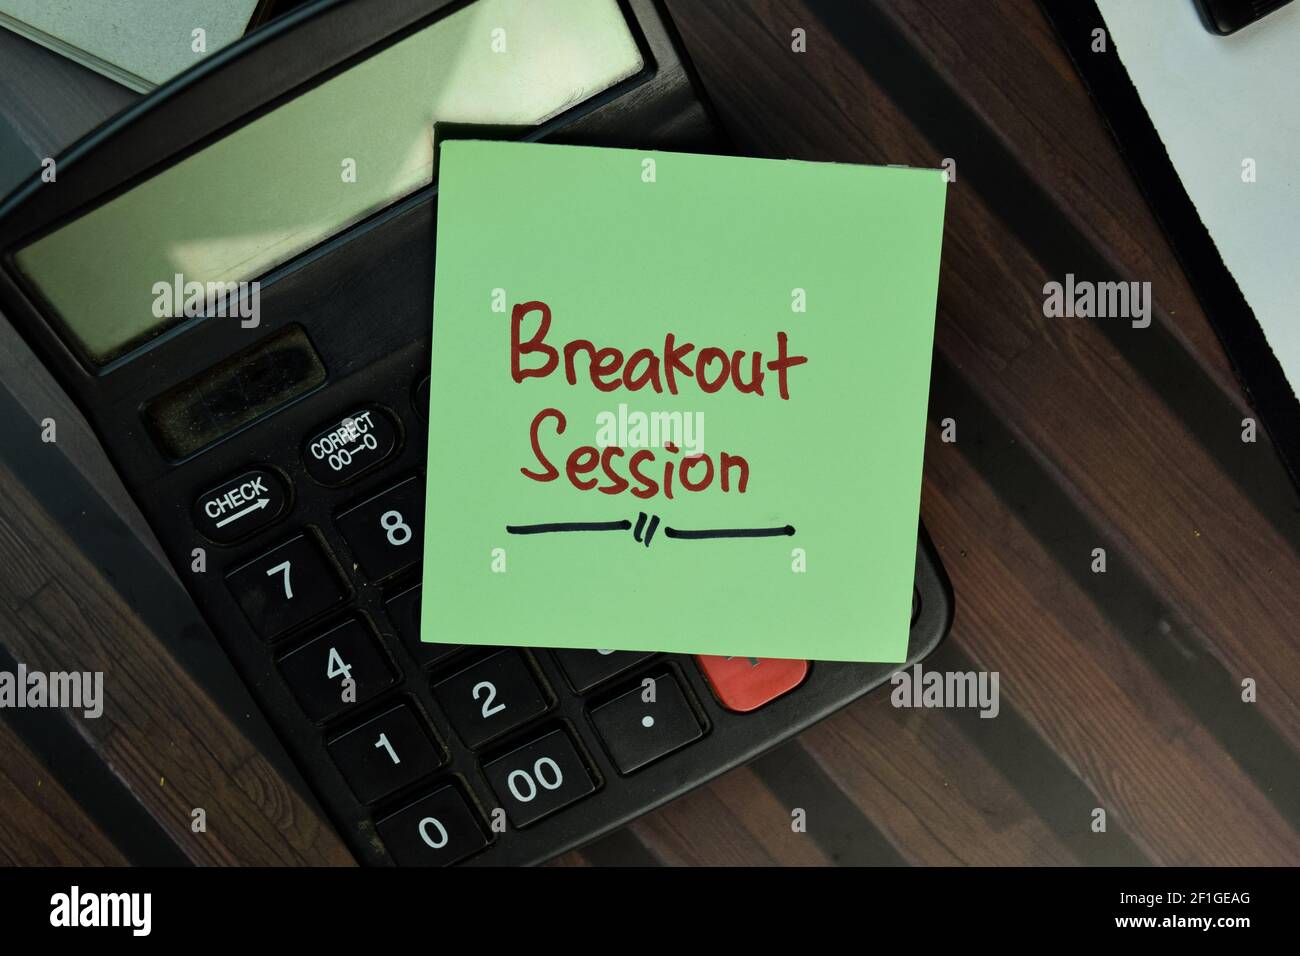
234	516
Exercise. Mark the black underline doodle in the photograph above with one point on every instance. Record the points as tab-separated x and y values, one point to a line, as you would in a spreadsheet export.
568	526
783	531
643	532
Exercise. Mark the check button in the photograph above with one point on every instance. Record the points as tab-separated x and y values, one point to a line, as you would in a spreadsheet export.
240	505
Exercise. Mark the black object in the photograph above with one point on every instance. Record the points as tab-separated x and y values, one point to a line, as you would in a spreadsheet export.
240	505
1229	16
1257	368
287	586
539	778
386	753
404	611
436	830
235	392
319	612
17	160
491	698
331	673
386	532
349	446
585	668
646	723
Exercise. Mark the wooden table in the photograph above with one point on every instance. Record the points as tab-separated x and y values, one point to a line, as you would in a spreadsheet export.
1120	691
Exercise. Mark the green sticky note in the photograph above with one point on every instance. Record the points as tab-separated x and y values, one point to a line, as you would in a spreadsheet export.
677	401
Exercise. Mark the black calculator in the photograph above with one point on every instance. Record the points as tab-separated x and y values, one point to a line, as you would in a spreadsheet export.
273	433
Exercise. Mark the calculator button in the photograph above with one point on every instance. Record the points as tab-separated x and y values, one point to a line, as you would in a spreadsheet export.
637	733
351	444
436	830
490	698
318	672
539	778
239	506
286	586
743	684
384	754
585	669
404	611
386	532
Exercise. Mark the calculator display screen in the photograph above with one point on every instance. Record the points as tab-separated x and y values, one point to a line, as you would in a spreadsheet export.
324	160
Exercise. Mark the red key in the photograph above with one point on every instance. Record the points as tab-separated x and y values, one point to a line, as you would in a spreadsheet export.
743	684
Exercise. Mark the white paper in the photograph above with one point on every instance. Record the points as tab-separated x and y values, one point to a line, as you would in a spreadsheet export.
1216	102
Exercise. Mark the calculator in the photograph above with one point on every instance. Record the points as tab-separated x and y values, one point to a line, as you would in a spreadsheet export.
273	431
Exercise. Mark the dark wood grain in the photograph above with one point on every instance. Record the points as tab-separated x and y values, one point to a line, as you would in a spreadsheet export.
938	798
41	824
160	733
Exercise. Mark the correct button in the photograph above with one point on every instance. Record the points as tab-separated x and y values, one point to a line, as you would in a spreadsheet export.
344	448
239	506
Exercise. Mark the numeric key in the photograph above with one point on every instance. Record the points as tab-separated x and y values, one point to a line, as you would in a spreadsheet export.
539	778
386	532
585	669
384	754
637	731
490	698
341	668
436	830
287	586
404	611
